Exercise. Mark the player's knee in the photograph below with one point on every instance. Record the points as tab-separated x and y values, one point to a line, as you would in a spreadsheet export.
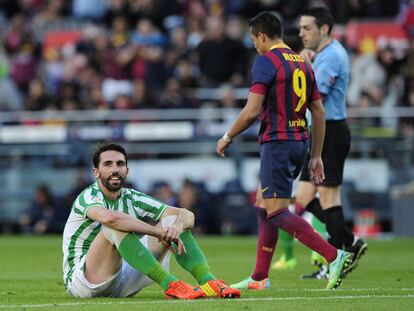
329	196
190	218
327	203
113	236
186	215
168	220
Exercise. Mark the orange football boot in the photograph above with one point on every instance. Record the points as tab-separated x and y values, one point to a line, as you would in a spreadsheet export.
182	290
217	288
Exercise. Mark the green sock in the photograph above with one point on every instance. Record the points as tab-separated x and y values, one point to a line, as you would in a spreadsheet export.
286	243
319	227
193	260
139	257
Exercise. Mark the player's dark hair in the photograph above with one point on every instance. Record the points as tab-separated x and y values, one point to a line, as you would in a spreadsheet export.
106	146
291	38
268	23
323	16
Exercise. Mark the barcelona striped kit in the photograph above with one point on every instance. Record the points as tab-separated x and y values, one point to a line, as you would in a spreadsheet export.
289	86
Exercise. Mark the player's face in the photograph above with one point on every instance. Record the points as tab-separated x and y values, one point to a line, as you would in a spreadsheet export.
112	170
310	34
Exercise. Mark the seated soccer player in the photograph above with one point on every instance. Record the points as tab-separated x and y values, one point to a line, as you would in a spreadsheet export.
111	249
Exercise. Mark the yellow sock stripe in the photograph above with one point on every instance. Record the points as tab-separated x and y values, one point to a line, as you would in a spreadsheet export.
208	290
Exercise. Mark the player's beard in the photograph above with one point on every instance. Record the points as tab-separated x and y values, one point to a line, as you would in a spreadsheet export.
113	187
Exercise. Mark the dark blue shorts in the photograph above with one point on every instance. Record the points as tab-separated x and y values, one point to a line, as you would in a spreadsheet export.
280	164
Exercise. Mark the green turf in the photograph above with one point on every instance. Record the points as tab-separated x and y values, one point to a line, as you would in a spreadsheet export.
30	279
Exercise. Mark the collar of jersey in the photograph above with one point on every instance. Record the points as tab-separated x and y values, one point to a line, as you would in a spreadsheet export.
109	201
106	199
326	46
279	46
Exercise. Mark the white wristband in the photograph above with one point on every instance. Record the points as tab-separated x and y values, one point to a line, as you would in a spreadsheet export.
227	138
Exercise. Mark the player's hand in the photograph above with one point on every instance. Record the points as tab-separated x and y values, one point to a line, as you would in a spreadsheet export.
316	171
167	245
308	55
180	246
221	146
172	233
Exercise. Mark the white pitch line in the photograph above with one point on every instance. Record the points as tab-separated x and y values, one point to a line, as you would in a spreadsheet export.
114	302
374	289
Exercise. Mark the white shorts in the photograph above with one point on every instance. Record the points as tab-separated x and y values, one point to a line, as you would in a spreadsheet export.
126	282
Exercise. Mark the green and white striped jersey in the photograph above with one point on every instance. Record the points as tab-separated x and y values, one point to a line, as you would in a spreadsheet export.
80	231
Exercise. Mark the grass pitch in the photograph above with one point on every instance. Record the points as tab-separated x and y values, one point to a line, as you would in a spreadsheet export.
30	279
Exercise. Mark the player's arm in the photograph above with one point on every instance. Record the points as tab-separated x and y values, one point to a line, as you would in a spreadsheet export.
184	220
247	115
322	97
122	222
245	119
308	55
318	134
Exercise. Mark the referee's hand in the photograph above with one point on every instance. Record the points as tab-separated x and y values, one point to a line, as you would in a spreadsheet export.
316	171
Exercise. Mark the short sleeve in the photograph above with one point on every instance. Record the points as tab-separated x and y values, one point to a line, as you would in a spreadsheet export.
85	201
148	207
263	71
326	73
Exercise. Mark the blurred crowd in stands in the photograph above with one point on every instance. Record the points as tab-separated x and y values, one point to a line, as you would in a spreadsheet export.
131	54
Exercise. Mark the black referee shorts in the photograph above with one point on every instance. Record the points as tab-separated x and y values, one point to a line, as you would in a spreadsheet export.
335	150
